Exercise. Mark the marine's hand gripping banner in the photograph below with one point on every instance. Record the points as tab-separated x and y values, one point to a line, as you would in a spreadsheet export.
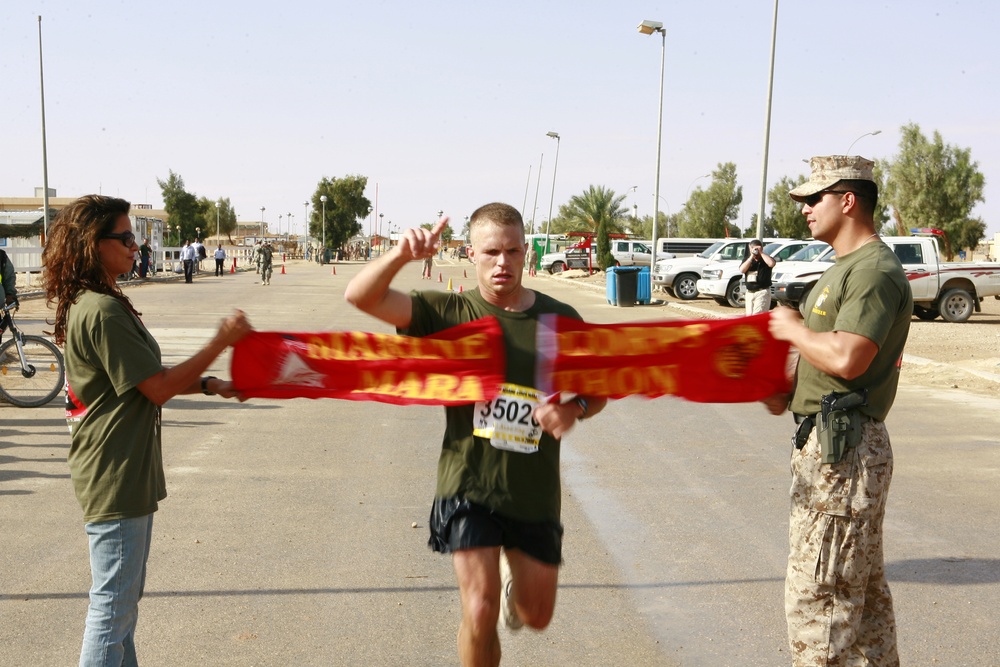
463	364
717	361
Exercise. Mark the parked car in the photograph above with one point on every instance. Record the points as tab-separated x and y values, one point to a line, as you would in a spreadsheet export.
626	252
801	269
724	282
679	276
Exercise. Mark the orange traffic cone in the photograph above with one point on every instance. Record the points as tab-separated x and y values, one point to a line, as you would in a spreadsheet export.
449	284
439	278
459	289
233	270
334	272
282	269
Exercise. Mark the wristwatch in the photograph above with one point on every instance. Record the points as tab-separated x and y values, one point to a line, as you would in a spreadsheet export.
204	385
584	406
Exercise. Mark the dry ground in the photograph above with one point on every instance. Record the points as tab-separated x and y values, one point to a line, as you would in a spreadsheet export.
939	354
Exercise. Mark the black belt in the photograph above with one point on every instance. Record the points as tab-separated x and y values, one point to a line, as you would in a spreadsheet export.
815	417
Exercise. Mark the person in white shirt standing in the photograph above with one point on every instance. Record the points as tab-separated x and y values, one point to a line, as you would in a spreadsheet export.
220	259
188	255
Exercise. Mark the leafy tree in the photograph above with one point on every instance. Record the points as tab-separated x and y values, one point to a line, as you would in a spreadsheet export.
183	207
767	230
223	217
932	184
710	213
643	227
786	218
345	204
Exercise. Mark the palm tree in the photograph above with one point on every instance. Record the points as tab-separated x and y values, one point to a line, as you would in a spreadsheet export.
586	211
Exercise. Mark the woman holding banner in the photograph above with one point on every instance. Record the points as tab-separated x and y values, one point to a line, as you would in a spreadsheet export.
115	385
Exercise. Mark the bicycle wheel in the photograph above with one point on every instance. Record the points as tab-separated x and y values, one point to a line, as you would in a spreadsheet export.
44	378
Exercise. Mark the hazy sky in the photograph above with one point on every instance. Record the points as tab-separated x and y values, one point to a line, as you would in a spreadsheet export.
446	105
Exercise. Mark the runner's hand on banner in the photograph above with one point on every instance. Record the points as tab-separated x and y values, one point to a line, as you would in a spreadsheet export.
422	243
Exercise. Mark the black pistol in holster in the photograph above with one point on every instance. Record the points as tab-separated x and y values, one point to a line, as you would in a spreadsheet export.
840	423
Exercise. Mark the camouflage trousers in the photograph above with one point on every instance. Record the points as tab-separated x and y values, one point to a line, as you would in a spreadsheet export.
837	601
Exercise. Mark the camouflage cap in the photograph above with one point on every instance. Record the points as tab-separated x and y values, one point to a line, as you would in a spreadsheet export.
828	169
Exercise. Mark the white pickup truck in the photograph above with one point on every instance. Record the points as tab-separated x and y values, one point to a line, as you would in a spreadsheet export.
952	290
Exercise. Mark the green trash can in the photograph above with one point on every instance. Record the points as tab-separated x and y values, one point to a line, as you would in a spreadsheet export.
627	285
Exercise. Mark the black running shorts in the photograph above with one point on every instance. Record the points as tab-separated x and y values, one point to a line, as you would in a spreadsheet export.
457	523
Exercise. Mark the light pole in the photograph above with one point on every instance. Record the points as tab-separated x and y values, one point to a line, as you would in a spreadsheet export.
288	229
380	216
262	221
767	127
866	134
279	225
322	256
305	217
649	28
552	197
688	195
441	247
218	223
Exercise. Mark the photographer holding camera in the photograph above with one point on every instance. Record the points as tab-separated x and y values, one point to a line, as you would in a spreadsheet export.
756	270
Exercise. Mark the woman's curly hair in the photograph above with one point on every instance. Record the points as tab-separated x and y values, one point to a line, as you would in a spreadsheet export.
71	259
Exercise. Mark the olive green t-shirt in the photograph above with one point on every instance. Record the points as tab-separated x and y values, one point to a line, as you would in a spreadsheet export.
115	458
866	293
517	485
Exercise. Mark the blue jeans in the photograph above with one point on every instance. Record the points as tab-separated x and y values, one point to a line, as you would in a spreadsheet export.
118	552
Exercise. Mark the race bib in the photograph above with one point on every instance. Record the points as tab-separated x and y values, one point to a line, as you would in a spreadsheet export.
507	420
752	277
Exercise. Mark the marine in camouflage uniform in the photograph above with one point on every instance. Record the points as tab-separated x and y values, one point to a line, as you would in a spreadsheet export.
264	258
837	601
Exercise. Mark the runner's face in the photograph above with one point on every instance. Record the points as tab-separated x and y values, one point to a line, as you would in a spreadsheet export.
498	252
116	257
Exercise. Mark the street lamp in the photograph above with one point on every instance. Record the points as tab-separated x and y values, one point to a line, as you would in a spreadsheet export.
688	195
548	224
323	223
649	28
218	224
866	134
262	221
380	216
305	216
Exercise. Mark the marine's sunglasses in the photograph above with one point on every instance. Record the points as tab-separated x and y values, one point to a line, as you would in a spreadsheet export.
815	198
127	238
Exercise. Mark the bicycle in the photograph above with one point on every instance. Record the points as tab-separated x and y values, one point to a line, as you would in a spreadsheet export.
32	370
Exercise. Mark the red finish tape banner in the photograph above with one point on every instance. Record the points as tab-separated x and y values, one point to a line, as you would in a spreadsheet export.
717	361
463	364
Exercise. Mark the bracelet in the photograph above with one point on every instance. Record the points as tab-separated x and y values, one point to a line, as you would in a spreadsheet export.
582	402
204	385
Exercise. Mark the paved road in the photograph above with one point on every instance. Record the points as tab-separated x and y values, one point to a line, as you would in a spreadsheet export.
287	538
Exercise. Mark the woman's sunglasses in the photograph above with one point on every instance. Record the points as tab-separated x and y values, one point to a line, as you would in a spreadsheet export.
127	238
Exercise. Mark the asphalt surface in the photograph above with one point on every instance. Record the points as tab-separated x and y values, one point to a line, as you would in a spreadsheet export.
288	538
